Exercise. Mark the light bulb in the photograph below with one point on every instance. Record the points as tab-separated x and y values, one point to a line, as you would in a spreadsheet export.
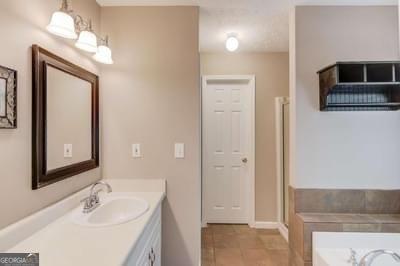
232	43
62	24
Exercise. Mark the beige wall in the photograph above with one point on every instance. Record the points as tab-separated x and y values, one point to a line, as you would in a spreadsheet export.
272	80
342	149
23	24
151	96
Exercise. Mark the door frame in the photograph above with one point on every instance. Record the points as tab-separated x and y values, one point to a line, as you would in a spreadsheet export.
251	180
280	102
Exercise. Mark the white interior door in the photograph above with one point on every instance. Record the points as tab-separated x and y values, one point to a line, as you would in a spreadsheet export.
228	159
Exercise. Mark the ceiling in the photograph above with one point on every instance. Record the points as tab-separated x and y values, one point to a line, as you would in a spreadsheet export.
260	25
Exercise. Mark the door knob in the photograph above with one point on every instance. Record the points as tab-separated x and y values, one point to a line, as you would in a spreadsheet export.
244	160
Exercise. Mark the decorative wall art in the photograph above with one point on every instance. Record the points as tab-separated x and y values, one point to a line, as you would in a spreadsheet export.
8	98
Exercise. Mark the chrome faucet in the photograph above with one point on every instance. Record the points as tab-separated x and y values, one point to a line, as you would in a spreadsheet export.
371	256
353	259
93	200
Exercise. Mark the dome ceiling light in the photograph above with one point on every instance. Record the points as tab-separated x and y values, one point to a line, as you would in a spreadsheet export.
232	43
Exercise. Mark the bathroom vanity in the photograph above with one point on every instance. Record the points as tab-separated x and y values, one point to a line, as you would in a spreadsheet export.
124	230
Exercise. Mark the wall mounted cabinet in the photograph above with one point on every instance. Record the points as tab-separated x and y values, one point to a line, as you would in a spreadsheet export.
360	86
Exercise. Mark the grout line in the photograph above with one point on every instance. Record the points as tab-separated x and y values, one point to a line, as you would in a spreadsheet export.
213	247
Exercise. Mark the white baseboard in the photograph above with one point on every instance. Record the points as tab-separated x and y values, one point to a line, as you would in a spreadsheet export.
265	225
273	225
203	224
284	231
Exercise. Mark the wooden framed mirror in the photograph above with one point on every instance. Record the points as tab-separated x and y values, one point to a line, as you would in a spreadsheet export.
65	119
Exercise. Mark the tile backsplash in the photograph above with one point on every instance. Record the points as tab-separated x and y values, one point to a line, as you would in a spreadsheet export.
347	201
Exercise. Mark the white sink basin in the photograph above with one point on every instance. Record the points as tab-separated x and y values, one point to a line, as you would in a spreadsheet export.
115	208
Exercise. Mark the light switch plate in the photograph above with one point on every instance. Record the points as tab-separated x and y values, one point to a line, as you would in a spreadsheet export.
136	152
67	150
179	150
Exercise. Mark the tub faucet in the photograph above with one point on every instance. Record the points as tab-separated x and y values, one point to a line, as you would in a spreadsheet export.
353	259
372	255
93	201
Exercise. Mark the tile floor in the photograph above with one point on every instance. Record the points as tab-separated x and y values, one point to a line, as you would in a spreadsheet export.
236	245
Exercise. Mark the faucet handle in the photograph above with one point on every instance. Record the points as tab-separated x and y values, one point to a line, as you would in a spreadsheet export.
85	199
87	202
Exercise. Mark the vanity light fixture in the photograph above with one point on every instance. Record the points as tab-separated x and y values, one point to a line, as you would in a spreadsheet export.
232	43
65	24
62	23
103	54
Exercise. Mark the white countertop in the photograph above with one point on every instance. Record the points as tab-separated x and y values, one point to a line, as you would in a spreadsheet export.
64	243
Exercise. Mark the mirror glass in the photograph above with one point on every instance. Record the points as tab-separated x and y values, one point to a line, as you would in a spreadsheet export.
3	101
69	119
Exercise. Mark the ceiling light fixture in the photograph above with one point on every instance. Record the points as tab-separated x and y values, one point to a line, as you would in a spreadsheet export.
104	54
232	43
65	24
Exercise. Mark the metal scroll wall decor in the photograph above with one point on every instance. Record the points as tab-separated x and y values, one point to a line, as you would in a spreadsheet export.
8	98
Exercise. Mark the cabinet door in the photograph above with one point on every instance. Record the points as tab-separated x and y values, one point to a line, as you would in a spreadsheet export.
155	246
151	255
144	258
157	251
142	254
